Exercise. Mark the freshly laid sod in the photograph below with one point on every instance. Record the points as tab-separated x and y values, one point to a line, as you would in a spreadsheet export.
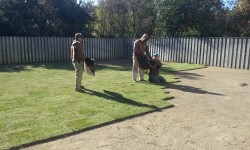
38	101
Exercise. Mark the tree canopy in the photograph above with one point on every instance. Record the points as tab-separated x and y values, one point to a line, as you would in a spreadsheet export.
42	18
124	18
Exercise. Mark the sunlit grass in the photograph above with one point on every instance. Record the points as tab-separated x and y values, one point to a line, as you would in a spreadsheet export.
38	101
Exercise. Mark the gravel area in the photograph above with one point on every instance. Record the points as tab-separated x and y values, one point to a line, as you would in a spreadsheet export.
212	111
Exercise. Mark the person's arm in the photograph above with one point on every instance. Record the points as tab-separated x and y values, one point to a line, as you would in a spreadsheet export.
79	52
72	52
147	52
136	49
159	64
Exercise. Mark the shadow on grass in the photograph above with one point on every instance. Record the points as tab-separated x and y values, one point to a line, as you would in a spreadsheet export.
190	89
100	67
118	98
162	86
117	65
108	95
28	67
114	65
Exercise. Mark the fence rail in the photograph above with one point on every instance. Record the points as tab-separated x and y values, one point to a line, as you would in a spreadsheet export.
221	52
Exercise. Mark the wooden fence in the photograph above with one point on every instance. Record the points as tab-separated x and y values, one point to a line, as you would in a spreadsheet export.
221	52
57	49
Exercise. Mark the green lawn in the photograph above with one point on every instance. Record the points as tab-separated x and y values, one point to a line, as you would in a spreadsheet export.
38	101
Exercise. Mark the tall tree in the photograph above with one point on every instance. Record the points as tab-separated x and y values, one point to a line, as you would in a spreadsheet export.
239	19
142	16
42	18
189	18
112	18
125	17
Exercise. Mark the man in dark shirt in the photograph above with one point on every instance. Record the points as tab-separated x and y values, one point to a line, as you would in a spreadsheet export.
154	72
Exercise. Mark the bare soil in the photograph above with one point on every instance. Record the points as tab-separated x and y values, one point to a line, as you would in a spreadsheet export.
212	111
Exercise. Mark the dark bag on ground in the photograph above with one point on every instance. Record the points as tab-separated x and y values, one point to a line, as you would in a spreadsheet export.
89	66
146	63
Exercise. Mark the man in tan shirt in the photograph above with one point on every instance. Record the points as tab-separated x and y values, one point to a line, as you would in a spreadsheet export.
77	58
140	47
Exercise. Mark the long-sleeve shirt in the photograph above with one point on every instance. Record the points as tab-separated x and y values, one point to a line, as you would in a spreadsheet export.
140	48
155	71
77	53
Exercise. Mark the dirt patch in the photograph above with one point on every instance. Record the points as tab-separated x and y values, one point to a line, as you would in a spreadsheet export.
212	111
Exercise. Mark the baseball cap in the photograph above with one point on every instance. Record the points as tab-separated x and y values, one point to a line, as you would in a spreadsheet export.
156	55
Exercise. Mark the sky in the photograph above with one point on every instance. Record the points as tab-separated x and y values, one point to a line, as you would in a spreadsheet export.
229	3
95	1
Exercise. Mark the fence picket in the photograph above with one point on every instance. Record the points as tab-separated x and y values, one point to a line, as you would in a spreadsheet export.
11	50
17	50
197	51
189	50
247	64
234	51
203	50
238	51
215	52
1	51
